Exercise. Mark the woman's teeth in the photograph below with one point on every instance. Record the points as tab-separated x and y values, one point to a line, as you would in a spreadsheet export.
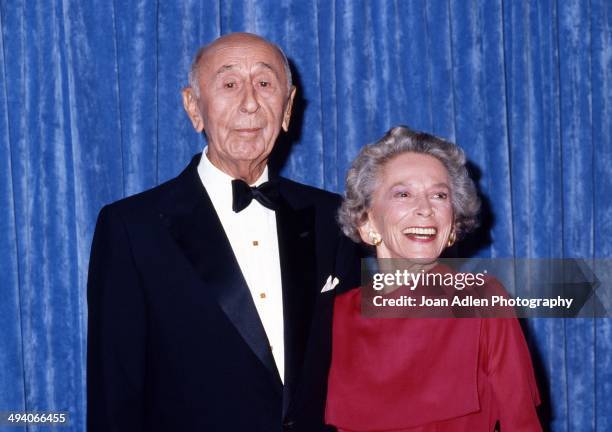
418	231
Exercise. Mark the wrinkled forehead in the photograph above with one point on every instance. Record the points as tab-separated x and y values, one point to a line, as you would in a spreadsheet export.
415	167
242	52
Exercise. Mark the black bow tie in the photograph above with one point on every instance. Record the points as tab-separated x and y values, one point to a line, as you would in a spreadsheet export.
266	194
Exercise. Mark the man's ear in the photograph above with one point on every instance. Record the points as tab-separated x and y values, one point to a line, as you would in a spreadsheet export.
289	108
190	103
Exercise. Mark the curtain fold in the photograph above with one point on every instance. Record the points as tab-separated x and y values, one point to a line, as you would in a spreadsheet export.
91	111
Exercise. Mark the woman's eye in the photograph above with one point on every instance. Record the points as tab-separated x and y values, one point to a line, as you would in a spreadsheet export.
264	84
402	194
441	195
229	85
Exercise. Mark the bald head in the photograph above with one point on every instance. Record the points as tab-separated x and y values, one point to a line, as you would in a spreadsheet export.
240	95
234	39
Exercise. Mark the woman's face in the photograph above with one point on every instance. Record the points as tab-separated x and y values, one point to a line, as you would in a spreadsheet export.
411	208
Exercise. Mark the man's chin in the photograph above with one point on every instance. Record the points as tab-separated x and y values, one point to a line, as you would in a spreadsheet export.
249	150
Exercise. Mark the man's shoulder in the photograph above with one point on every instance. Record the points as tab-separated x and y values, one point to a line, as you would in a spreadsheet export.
302	194
181	190
145	199
172	195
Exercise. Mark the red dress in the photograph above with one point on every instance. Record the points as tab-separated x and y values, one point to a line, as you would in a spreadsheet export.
428	374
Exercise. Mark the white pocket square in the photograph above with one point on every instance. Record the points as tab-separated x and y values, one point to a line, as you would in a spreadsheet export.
330	284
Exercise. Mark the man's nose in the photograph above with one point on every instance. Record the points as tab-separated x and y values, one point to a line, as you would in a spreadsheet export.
249	103
423	207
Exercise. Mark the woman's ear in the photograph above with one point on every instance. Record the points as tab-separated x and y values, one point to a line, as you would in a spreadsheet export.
364	230
452	236
369	234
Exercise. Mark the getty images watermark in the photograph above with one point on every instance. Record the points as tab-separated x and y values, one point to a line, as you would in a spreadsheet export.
486	288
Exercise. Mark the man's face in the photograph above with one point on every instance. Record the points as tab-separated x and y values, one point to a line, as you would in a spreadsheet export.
243	101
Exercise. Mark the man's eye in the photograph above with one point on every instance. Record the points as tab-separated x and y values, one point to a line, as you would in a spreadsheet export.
229	85
264	84
441	195
402	194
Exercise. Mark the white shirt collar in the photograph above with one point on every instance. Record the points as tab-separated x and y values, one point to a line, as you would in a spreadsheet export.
214	175
218	184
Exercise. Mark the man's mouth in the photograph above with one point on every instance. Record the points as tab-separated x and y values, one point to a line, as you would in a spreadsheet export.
421	233
247	130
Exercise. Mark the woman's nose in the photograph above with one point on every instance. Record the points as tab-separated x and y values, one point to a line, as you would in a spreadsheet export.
423	207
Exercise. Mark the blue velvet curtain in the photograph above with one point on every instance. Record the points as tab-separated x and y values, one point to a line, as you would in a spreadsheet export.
90	112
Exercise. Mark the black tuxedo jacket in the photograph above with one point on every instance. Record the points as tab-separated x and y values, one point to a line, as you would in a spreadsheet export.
175	342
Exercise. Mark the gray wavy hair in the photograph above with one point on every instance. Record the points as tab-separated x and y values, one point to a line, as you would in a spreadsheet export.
362	178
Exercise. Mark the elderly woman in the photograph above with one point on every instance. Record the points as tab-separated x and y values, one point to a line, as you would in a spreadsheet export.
409	195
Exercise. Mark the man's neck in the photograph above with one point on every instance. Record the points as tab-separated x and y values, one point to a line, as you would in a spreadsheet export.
249	171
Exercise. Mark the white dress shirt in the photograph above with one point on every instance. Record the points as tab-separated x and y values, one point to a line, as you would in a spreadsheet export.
252	235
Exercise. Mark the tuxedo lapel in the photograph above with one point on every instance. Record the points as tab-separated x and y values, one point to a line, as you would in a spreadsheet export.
193	223
296	242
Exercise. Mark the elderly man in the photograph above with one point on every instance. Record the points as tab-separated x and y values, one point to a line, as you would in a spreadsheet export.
210	296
